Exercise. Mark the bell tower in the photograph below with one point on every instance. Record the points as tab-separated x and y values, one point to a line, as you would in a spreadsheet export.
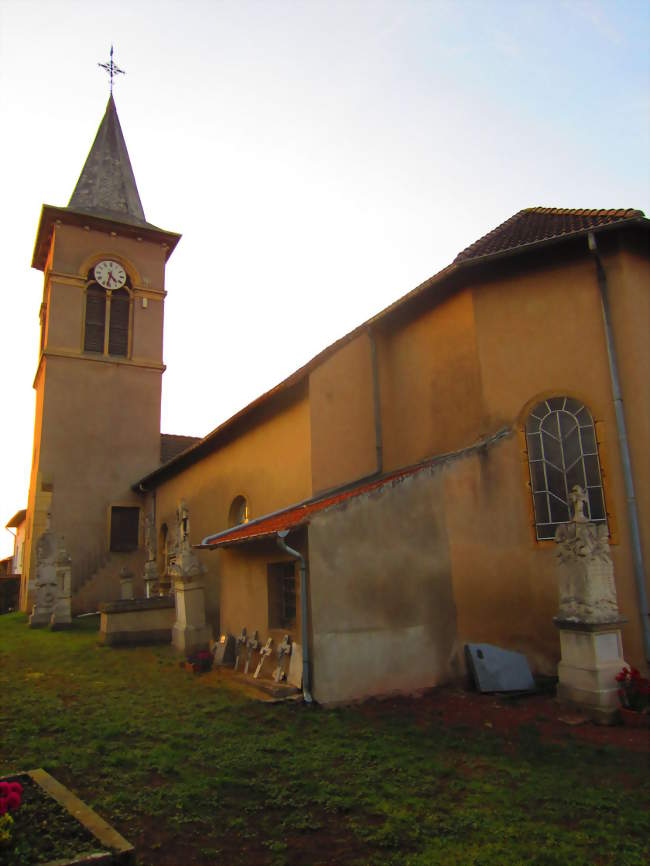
99	373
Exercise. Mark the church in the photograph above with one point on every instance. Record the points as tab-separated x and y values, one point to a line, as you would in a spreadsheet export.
393	499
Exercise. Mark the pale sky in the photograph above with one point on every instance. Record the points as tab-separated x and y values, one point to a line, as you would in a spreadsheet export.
321	159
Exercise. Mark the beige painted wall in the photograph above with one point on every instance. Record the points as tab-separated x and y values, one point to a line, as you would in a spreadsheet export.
541	334
431	400
97	424
382	609
244	588
342	416
268	463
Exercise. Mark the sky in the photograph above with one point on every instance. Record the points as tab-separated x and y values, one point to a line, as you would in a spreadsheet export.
321	159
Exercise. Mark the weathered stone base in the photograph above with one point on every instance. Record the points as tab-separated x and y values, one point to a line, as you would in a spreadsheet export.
190	632
137	621
592	655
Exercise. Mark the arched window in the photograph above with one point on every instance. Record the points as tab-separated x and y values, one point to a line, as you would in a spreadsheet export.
238	511
562	452
108	316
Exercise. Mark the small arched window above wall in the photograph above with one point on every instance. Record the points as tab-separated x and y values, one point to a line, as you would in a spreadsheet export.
238	511
562	452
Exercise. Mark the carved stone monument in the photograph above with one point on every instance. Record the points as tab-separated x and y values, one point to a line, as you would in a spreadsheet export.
588	618
284	649
252	644
190	631
62	614
47	587
126	584
151	579
240	646
265	652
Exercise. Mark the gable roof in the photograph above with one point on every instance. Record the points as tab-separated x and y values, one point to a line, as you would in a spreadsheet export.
535	224
527	230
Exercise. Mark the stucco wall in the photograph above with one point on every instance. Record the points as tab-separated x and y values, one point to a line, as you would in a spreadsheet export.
431	399
268	463
540	333
342	416
382	610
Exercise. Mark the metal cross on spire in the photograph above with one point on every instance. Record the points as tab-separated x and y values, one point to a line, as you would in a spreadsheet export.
112	68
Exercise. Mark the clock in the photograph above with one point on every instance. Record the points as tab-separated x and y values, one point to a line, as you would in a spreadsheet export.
110	275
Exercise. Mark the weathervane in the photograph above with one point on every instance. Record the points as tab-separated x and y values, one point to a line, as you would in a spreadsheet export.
112	68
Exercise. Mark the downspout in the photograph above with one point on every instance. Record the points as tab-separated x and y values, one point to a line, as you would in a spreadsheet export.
379	445
306	684
633	516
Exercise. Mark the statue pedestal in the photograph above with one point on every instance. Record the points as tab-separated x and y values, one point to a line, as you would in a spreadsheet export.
592	655
190	631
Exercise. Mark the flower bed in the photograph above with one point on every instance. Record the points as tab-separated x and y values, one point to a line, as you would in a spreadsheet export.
50	824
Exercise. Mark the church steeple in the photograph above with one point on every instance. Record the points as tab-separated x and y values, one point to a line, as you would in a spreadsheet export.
106	185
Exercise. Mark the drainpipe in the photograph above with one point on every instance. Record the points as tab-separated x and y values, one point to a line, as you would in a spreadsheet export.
306	693
633	516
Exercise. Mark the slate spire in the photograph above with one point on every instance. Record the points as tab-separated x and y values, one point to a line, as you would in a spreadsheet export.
106	185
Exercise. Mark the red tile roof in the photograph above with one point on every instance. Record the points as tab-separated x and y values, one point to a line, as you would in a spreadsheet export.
299	515
171	445
535	224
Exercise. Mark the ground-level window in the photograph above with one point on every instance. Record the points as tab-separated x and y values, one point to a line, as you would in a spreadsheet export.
124	528
282	594
562	453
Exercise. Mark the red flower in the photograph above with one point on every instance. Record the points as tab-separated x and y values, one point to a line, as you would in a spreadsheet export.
4	789
16	787
13	801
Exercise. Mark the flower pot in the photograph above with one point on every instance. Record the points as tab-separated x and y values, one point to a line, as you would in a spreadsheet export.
634	718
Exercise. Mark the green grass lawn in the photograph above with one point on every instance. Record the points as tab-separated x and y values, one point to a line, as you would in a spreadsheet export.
192	773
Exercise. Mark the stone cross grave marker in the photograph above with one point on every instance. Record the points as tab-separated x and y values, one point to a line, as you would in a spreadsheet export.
240	644
284	649
251	645
265	652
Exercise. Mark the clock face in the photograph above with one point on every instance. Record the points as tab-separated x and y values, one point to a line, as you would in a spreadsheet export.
110	275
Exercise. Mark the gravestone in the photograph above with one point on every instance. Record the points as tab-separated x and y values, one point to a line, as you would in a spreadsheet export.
251	645
588	618
498	670
265	652
47	587
62	613
126	584
294	676
284	649
240	646
224	650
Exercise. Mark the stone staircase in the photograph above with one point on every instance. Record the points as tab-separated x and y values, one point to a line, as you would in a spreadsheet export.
104	583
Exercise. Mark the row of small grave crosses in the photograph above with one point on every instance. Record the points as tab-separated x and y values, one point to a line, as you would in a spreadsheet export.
252	643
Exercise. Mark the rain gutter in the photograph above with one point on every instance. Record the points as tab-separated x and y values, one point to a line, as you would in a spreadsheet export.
624	448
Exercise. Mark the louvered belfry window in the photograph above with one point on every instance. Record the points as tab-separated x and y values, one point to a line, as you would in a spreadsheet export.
118	334
95	319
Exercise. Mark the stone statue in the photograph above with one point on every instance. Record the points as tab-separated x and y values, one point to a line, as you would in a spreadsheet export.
186	565
47	587
62	612
587	588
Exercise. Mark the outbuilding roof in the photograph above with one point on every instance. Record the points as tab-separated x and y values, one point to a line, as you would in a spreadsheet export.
17	519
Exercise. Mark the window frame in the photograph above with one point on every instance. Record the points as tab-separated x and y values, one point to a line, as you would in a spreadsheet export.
574	406
92	284
279	614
